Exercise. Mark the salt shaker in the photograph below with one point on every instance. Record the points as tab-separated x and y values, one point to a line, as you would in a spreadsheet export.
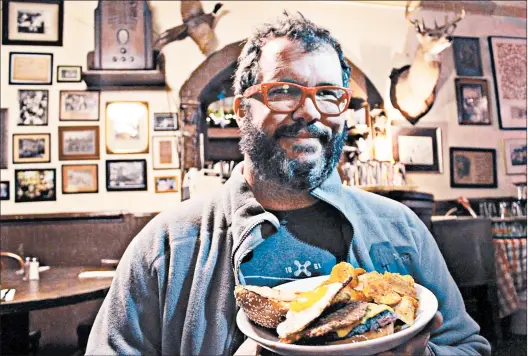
26	268
34	269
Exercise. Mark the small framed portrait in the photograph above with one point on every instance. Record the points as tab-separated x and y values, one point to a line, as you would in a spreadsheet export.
30	68
78	142
32	185
79	178
466	52
515	155
33	105
31	148
4	190
69	74
33	23
165	121
3	138
123	175
419	148
165	152
473	101
508	61
79	105
127	127
473	167
166	184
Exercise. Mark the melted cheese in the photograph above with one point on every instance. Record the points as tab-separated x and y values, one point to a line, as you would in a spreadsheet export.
375	309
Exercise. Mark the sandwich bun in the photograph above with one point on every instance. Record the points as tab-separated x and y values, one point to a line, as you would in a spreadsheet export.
369	335
264	306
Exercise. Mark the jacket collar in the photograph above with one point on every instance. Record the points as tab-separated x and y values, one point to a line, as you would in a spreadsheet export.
242	208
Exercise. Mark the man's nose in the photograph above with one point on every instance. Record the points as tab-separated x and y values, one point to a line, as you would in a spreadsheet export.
307	111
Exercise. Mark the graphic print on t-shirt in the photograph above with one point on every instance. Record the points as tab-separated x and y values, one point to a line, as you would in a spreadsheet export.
283	258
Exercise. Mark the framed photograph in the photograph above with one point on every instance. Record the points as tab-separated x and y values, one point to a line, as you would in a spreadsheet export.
79	105
127	127
33	107
79	178
4	190
165	152
69	74
78	142
34	23
165	121
3	138
166	184
30	68
419	148
508	61
515	155
473	167
126	175
473	101
33	185
31	148
466	52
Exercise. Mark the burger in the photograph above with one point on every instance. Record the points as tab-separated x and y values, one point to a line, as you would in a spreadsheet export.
346	308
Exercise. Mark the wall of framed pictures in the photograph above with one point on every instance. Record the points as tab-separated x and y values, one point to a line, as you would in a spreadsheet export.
92	147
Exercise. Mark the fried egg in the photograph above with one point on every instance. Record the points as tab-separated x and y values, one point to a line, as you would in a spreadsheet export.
307	307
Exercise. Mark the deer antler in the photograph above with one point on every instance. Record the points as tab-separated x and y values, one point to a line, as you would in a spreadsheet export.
446	29
419	25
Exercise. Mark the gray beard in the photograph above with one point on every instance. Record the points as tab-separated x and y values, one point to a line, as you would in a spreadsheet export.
270	162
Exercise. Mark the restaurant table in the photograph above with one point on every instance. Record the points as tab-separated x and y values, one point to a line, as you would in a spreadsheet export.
58	286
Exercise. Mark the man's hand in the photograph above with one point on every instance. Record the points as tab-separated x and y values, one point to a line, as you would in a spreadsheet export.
417	346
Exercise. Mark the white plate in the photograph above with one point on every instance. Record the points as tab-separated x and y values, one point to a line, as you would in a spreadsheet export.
268	339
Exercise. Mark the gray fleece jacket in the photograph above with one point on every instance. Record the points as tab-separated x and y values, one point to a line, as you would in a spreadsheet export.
173	292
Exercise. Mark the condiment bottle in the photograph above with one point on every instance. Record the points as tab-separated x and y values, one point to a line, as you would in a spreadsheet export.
34	269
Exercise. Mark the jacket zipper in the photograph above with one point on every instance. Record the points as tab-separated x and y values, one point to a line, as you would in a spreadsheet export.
244	237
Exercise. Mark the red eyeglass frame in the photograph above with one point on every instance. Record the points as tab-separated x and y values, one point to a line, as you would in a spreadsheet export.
305	91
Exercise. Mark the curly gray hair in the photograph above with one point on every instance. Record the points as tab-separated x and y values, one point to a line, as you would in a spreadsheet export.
295	28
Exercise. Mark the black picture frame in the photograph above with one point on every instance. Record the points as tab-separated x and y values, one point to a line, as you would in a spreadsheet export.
61	79
13	81
111	185
162	116
5	192
7	38
434	149
19	198
467	57
473	167
473	101
511	114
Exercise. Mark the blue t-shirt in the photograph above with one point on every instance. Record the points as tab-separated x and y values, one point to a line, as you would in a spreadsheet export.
308	243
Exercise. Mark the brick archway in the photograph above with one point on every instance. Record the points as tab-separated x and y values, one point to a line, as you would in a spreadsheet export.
218	67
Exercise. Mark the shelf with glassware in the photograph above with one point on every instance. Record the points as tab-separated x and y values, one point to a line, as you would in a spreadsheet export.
512	227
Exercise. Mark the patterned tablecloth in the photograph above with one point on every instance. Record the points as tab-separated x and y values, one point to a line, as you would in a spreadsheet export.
510	265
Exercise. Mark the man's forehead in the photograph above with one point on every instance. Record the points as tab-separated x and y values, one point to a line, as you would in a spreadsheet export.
281	55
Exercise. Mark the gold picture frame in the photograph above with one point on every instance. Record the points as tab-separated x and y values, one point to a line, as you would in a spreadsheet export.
166	184
80	178
127	127
31	148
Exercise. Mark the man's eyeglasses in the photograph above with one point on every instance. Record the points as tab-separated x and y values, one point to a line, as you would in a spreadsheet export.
284	97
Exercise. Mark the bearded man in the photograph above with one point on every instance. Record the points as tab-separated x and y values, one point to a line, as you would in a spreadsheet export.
283	215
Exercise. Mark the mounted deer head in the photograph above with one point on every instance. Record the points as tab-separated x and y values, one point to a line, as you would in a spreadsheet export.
433	40
413	87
